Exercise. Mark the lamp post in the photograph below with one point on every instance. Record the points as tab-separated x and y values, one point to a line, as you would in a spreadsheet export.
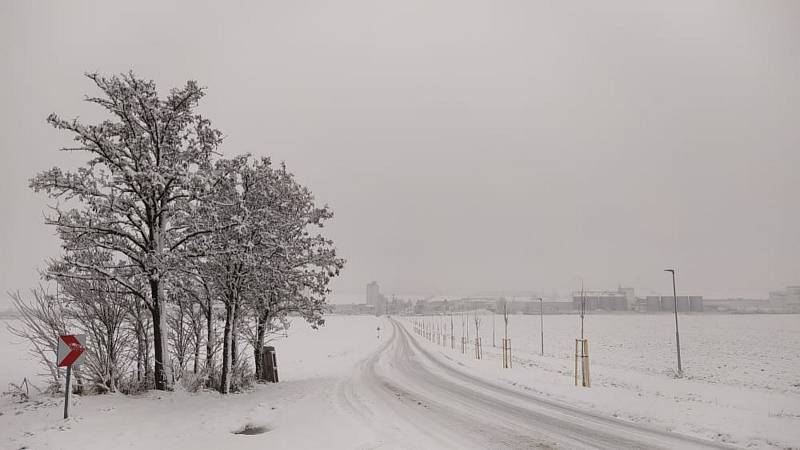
541	321
677	335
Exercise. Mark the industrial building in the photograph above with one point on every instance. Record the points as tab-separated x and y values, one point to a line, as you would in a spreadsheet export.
601	300
666	303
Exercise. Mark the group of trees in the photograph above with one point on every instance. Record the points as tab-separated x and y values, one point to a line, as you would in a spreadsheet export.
173	256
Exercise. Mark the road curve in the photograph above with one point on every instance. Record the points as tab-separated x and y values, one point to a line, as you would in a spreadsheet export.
412	399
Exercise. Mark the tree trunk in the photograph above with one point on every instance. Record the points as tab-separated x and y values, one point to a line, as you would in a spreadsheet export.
225	381
112	362
140	352
209	336
163	378
148	368
235	340
197	336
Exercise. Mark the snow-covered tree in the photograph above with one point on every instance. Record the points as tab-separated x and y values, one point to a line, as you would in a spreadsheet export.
228	258
269	265
147	167
296	272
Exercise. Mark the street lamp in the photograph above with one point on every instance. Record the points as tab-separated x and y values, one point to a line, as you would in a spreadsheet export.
677	335
541	321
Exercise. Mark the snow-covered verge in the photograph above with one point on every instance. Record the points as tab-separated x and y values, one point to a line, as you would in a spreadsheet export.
741	383
295	413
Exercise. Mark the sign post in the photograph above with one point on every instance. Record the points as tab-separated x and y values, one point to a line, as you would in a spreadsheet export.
71	350
67	390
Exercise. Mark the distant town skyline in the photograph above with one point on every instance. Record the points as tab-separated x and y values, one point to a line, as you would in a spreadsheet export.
342	297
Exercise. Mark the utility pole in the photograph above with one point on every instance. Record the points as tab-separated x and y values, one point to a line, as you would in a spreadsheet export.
677	335
541	321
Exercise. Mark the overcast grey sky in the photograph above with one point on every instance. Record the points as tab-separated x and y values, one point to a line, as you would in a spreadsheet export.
462	144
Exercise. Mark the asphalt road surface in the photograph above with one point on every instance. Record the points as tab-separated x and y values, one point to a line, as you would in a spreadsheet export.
412	399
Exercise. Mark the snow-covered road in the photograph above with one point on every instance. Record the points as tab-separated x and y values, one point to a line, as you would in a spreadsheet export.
410	398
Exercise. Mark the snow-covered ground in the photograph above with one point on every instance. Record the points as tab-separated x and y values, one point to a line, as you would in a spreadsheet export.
342	387
296	411
741	381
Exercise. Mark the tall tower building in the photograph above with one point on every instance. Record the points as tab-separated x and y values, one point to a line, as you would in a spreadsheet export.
373	293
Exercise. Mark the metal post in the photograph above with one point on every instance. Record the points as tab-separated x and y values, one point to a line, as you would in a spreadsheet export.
677	334
67	390
583	314
541	321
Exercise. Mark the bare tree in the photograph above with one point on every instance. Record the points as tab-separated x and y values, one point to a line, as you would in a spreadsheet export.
99	309
139	322
42	320
180	333
505	317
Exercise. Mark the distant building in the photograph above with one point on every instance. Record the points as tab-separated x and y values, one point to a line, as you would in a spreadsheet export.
441	305
421	307
630	296
739	305
353	309
602	300
651	303
666	303
373	293
696	303
399	306
376	299
533	306
787	300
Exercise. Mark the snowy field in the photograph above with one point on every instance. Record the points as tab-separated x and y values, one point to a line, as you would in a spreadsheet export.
741	381
740	387
754	351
